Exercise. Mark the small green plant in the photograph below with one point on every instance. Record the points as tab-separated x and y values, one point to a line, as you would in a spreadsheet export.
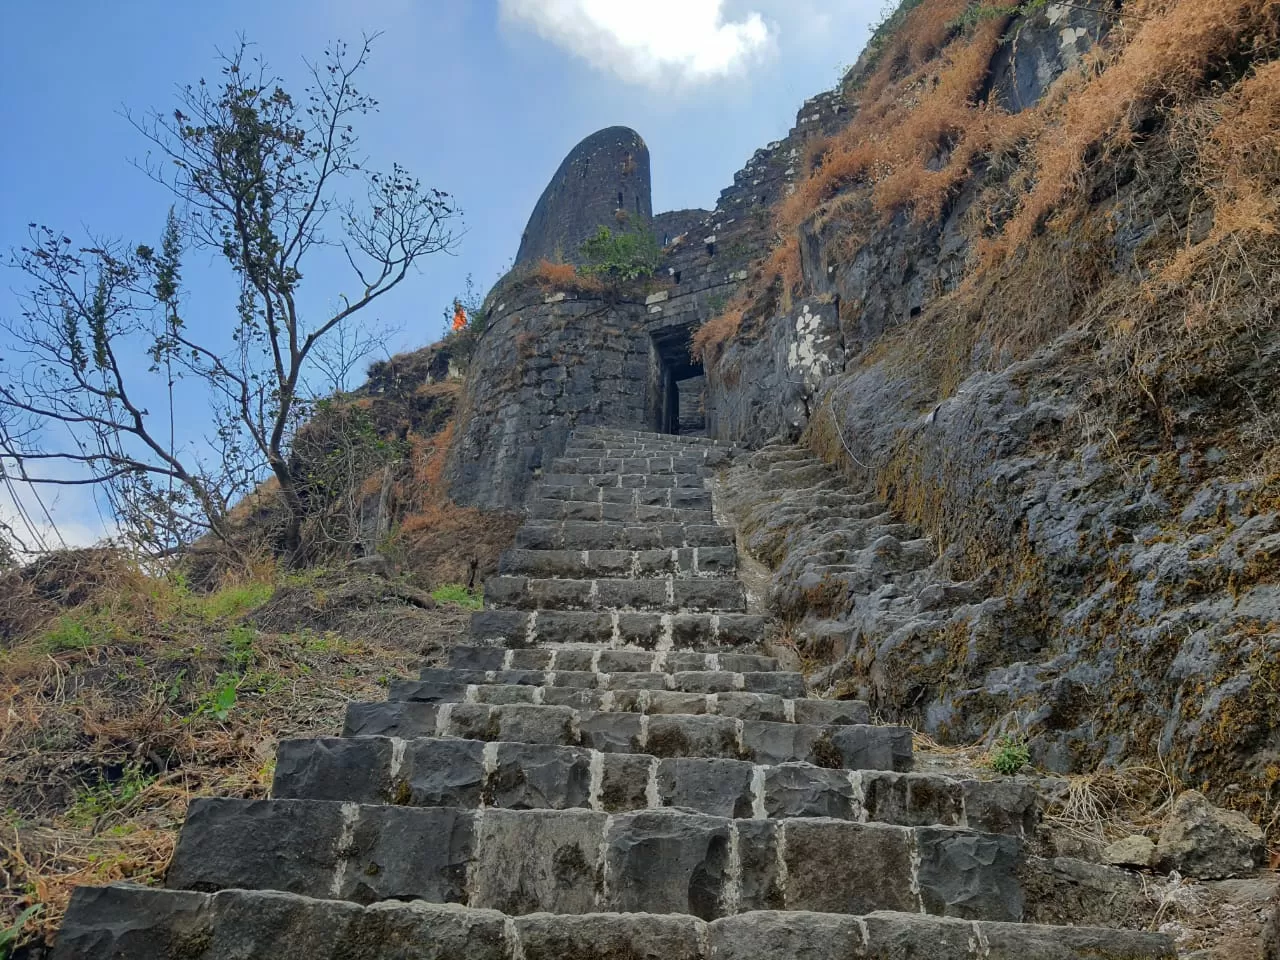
241	639
989	11
9	935
234	601
621	257
459	596
218	701
1010	754
68	633
103	797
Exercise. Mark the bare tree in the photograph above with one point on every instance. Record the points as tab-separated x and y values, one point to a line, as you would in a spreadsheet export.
336	357
257	175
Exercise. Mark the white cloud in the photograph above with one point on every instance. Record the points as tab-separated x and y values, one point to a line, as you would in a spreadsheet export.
660	43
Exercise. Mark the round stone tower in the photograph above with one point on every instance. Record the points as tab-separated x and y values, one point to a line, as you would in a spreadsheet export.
604	181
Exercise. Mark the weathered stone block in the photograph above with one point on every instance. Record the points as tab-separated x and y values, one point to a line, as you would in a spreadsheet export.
913	799
969	875
638	681
610	937
443	773
537	861
539	776
827	712
401	853
237	843
803	790
839	867
661	862
718	787
467	657
611	732
390	719
784	684
573	697
810	936
625	661
692	737
624	783
742	705
334	768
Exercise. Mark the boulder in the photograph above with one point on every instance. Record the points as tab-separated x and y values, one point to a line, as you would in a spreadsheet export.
1209	843
375	564
1133	851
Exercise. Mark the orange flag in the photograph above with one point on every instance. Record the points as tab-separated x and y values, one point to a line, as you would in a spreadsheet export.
459	316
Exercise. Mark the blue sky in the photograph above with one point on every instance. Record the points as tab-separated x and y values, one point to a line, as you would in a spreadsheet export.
482	99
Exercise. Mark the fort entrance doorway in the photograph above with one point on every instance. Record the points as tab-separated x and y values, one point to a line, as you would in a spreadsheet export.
678	393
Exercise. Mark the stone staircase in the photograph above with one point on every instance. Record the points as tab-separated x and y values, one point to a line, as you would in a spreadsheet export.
611	769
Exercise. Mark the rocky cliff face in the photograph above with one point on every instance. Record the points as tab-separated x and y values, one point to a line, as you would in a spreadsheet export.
1065	513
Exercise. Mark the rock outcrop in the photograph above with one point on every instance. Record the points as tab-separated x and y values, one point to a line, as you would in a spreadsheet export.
1204	841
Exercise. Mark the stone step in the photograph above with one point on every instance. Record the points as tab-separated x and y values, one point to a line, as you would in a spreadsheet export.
740	704
648	631
650	466
634	448
833	746
594	659
643	436
607	535
584	861
689	498
143	923
682	562
543	509
433	772
778	683
709	456
628	481
667	594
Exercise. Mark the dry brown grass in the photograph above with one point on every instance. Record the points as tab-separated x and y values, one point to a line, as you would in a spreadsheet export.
564	276
1237	141
1174	47
915	135
1212	300
456	544
709	339
919	131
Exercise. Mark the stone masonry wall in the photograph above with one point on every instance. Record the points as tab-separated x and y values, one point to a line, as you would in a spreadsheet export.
545	365
604	180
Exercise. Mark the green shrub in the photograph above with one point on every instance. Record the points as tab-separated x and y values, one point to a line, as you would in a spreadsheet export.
218	701
241	639
1010	755
459	596
80	630
621	257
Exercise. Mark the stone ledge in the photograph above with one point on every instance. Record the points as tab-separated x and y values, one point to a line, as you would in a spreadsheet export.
147	924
